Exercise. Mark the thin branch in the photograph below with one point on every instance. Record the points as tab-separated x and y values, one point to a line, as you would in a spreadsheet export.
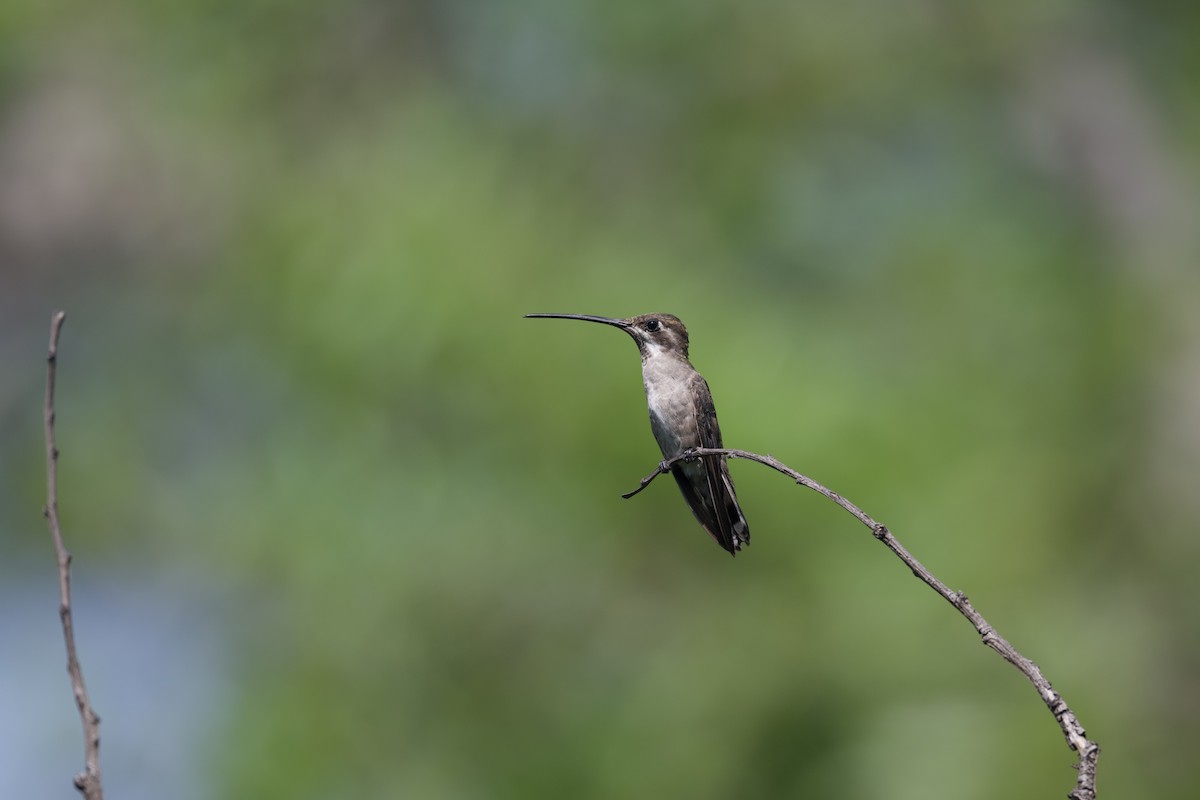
1089	751
88	781
663	466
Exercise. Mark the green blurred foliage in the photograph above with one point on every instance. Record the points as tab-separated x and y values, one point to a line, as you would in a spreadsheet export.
940	257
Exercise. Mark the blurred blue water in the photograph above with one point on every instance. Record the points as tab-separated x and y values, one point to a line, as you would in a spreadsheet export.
156	667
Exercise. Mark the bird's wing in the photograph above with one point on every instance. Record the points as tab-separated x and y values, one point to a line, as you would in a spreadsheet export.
727	525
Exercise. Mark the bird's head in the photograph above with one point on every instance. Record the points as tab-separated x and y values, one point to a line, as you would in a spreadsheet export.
655	334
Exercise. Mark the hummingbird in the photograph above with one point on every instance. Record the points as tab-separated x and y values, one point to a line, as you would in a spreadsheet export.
682	416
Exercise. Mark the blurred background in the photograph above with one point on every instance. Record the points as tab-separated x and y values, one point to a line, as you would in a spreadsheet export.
346	525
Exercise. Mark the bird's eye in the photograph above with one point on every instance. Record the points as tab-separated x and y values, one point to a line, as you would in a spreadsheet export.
651	325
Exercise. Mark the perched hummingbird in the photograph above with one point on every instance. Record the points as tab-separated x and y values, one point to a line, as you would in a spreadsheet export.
682	416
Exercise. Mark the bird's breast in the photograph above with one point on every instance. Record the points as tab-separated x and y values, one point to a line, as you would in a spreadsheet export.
672	407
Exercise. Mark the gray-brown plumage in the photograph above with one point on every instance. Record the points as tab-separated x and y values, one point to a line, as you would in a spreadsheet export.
682	416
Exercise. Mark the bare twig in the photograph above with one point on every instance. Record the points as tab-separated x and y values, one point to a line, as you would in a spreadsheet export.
88	781
1089	751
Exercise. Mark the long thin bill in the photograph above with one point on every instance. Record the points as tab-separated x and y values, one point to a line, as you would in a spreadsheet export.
619	323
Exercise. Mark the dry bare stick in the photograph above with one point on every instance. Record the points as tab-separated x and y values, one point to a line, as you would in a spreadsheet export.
88	781
1089	751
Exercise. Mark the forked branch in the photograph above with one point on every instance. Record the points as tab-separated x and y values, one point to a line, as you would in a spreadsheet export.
1088	750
